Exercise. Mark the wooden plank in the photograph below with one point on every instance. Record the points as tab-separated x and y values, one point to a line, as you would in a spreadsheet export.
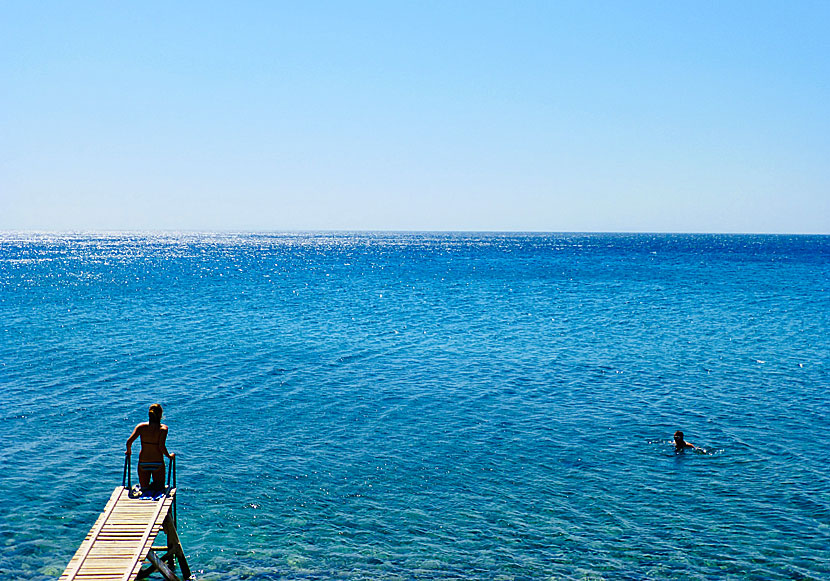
110	506
141	551
120	539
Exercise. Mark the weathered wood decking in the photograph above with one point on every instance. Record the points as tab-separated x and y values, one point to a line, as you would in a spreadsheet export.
122	537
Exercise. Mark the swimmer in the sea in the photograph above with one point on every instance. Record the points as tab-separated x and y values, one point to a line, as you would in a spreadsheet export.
681	444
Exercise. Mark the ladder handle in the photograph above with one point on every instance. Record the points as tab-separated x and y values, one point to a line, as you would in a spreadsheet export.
127	478
172	472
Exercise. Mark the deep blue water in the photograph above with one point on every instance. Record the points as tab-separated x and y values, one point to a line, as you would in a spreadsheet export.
426	406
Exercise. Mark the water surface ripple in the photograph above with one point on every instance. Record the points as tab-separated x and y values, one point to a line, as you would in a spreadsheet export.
426	406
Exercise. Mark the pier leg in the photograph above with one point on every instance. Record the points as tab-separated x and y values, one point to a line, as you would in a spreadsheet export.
162	567
174	546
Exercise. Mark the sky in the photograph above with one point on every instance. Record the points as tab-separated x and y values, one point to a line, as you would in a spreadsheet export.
654	116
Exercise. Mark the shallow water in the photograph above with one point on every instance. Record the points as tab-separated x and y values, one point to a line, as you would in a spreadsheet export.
426	406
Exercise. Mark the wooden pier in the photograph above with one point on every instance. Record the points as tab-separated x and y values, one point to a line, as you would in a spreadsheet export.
122	539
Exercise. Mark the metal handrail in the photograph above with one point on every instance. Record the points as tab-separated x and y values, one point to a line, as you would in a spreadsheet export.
127	477
171	472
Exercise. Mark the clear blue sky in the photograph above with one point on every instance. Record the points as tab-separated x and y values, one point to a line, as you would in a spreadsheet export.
682	116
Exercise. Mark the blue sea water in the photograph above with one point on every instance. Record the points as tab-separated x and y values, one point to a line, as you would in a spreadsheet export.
426	406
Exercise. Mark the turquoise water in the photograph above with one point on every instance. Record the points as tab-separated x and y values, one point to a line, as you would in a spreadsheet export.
426	406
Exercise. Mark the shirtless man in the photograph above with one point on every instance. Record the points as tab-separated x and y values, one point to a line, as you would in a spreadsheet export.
681	444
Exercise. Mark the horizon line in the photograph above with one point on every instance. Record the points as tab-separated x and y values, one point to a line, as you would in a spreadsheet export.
391	231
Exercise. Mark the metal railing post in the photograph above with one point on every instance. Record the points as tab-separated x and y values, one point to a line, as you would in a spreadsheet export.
127	478
171	474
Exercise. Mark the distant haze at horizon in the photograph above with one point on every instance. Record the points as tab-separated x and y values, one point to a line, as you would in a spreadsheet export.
467	116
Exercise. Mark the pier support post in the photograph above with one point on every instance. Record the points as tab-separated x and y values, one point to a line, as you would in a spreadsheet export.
174	546
161	566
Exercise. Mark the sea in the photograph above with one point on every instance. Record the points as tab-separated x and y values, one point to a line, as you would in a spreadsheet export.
396	406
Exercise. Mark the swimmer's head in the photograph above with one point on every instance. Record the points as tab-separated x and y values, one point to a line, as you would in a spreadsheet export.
678	436
155	413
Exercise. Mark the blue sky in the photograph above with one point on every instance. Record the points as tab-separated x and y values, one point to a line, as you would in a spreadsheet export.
547	116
